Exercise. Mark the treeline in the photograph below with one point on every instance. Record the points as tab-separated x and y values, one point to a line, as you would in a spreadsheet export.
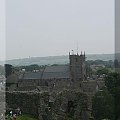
109	64
105	68
28	68
31	67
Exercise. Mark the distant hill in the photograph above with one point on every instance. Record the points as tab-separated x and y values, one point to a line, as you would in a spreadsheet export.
56	59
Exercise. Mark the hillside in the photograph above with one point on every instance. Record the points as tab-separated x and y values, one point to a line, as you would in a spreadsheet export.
56	59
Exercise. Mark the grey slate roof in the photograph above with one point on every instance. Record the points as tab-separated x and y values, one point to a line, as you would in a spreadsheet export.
60	68
50	72
32	75
52	75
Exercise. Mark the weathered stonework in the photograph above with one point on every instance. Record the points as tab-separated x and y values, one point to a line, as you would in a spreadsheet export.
43	105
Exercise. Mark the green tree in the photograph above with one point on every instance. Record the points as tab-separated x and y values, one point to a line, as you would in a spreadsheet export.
112	82
102	71
103	105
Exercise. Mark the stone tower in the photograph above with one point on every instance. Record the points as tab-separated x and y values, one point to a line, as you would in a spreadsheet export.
77	67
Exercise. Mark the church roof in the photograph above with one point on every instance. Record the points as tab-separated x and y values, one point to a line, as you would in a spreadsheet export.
59	68
50	72
52	75
31	75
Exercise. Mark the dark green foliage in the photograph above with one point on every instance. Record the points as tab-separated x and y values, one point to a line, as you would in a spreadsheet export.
113	84
108	64
102	71
106	103
112	81
103	105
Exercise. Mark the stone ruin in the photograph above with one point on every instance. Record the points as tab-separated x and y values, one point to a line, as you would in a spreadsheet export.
51	106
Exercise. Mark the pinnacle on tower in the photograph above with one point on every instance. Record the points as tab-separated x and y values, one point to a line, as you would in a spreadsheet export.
84	53
81	52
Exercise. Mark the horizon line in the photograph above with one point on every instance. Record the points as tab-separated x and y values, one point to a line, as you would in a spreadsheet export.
54	56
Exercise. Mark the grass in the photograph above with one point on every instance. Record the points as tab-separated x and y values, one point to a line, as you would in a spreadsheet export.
24	117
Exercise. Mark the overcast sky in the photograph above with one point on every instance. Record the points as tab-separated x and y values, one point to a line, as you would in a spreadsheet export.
2	30
55	27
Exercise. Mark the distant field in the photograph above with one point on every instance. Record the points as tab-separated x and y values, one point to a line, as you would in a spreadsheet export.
56	59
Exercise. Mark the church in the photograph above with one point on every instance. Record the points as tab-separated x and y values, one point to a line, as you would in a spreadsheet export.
56	76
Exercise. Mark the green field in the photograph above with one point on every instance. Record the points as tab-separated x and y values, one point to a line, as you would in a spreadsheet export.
23	117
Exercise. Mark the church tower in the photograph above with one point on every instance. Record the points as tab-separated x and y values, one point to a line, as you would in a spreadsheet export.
77	67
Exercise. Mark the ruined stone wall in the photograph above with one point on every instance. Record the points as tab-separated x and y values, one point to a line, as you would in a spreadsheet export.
27	101
62	82
72	103
54	105
28	82
2	103
92	86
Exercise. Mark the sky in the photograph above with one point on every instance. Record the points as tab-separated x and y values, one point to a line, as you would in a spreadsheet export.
117	28
36	28
2	30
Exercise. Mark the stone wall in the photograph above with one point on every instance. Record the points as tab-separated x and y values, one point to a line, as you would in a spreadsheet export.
50	106
2	104
73	104
28	102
